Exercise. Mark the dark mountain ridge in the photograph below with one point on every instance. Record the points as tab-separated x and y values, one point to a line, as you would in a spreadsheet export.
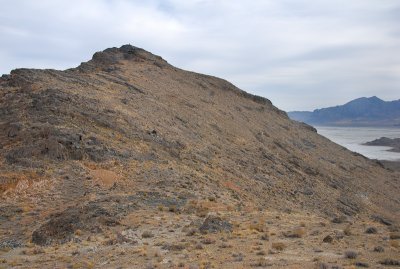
363	111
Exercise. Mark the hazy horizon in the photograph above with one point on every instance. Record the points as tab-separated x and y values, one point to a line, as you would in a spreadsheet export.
302	55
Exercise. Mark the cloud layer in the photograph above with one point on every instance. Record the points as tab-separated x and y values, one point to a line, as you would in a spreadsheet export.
301	54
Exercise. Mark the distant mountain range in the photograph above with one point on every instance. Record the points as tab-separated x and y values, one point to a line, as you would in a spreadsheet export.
363	111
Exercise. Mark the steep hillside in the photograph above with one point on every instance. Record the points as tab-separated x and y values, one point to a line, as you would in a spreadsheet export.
359	112
128	161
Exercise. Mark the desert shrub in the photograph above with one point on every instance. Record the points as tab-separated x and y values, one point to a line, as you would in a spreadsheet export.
347	231
394	244
379	249
261	253
278	246
350	254
208	241
362	264
394	235
147	234
197	208
339	220
323	266
258	226
214	224
174	247
198	246
212	199
390	262
224	245
238	257
259	263
191	232
37	250
173	209
394	228
371	230
296	233
265	237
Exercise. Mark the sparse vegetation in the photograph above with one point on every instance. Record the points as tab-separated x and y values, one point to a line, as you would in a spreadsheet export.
371	230
259	263
394	235
362	264
390	262
296	233
280	246
323	266
347	230
265	237
327	239
147	234
394	244
350	254
208	241
258	226
142	163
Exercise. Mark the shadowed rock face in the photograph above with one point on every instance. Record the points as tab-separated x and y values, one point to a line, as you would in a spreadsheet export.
128	131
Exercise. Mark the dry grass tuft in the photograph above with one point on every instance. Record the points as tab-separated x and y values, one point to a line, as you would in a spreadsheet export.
296	233
278	246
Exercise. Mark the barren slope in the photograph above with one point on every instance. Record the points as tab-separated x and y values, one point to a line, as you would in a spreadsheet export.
126	143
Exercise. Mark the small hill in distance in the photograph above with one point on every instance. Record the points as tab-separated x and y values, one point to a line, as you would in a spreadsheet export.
363	111
394	143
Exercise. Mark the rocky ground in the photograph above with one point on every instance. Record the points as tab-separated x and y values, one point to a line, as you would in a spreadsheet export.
129	162
165	238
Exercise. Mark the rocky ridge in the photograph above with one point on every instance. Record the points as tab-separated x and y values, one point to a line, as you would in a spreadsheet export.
91	153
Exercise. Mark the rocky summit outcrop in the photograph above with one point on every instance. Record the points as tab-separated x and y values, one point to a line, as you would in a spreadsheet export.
95	149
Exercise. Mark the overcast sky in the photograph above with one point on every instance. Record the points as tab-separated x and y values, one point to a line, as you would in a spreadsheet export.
301	54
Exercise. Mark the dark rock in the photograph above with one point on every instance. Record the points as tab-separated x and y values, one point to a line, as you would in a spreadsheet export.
61	226
327	239
382	220
349	205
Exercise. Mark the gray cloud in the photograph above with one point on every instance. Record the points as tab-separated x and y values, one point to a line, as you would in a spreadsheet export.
302	54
